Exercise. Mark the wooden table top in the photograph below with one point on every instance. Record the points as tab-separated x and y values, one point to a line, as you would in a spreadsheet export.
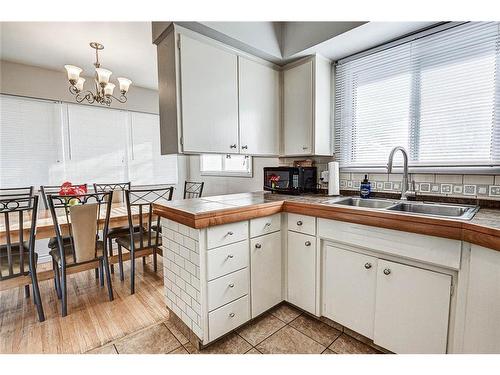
45	225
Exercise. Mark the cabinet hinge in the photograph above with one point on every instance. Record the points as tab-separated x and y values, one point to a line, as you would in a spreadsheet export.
182	141
452	289
179	41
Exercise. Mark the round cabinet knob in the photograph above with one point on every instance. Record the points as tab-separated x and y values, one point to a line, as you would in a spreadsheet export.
233	146
231	285
299	223
231	315
308	243
267	225
258	245
230	233
230	256
368	266
387	271
245	147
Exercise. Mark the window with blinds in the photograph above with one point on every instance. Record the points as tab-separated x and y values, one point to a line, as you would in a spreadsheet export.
46	143
438	96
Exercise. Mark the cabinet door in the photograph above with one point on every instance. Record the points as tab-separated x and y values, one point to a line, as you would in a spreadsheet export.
259	106
349	289
411	309
209	97
298	109
302	271
265	256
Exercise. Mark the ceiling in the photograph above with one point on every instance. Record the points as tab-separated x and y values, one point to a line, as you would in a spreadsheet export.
128	50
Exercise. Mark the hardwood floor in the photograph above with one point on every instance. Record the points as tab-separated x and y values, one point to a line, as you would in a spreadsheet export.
92	319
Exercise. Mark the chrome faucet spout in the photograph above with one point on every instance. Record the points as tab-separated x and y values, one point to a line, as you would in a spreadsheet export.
405	192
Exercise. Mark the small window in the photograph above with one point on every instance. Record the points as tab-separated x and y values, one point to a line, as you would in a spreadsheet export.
226	165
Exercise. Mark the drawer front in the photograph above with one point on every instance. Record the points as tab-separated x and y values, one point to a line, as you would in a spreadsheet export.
228	317
227	259
302	224
227	288
265	225
428	249
221	235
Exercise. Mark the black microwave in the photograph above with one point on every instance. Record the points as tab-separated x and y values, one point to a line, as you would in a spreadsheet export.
290	180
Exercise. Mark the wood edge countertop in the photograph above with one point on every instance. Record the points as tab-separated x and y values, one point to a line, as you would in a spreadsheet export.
467	231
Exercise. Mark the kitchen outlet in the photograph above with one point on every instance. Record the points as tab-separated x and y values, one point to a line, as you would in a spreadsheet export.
435	188
494	191
380	185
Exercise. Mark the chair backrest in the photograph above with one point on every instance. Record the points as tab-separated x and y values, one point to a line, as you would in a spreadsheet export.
13	213
80	216
52	189
119	186
19	192
142	201
193	189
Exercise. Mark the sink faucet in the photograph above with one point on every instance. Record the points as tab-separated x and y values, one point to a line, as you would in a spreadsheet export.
405	191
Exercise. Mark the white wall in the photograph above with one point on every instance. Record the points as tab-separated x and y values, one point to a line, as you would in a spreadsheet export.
218	185
35	82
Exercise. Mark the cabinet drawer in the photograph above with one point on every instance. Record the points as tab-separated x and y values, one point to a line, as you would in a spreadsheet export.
227	288
265	225
302	224
228	317
226	259
221	235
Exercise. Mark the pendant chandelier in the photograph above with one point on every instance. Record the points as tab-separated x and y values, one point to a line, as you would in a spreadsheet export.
103	88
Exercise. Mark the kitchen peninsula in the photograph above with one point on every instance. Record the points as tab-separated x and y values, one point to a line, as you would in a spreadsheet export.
410	283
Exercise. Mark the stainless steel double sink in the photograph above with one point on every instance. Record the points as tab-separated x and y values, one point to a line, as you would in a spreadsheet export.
451	211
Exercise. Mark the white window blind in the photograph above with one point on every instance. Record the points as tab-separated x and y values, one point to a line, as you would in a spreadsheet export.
97	145
147	165
437	96
30	142
46	143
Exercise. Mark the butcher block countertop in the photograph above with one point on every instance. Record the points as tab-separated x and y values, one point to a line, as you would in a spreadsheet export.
483	229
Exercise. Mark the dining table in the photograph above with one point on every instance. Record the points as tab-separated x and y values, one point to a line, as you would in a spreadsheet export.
45	229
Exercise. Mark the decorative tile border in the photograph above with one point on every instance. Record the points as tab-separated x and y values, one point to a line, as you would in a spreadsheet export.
467	186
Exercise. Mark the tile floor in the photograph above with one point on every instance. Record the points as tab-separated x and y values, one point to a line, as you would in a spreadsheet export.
284	330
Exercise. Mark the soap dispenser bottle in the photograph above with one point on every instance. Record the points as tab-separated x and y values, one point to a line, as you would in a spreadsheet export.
365	188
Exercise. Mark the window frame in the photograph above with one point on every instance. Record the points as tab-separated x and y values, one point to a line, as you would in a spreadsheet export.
491	167
224	173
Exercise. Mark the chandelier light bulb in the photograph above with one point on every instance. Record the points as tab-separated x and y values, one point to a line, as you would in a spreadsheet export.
73	73
79	84
109	88
103	76
124	84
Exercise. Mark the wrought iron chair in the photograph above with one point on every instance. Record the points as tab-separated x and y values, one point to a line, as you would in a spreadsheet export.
19	259
146	237
120	231
80	220
193	189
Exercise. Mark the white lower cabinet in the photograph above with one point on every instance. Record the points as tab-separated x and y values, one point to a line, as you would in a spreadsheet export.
265	264
301	269
228	317
411	309
349	289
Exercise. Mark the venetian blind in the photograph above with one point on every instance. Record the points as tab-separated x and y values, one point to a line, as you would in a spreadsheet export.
437	96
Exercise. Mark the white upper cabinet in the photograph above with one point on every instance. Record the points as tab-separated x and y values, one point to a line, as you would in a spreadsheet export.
209	90
307	108
259	108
